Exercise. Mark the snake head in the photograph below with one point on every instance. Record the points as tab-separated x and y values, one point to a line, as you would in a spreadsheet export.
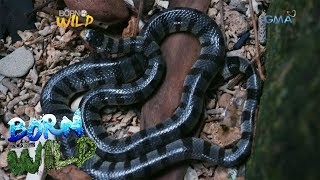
95	39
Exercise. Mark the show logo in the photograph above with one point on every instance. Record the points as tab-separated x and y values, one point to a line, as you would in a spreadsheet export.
43	125
85	147
282	19
73	18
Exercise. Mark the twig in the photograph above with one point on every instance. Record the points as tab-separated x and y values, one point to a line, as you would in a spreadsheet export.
33	87
49	41
231	84
222	20
16	100
136	29
13	88
257	56
214	119
235	81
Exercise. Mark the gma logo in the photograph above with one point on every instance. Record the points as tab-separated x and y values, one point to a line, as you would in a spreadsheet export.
73	19
277	19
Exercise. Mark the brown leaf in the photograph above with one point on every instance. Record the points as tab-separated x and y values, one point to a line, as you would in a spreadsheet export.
132	28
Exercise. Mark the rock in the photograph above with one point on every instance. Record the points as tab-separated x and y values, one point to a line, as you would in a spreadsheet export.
135	121
47	30
3	159
4	175
38	108
117	114
22	92
33	76
13	88
133	129
262	29
238	53
224	100
255	6
34	101
206	129
17	63
211	104
75	104
236	22
212	12
17	99
163	4
113	129
7	117
2	96
191	174
126	119
5	133
215	111
221	173
20	110
232	173
3	89
29	111
202	170
238	5
224	137
106	118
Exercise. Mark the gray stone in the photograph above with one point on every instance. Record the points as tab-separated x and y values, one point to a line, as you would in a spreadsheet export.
236	22
237	53
17	64
238	5
191	174
3	89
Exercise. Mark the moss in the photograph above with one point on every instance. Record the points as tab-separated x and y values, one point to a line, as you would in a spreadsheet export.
287	133
24	163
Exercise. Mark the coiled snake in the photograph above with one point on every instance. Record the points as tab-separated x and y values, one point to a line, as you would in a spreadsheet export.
129	80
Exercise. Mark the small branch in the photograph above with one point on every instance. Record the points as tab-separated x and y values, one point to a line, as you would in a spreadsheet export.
16	100
256	59
234	81
214	119
49	41
231	84
136	29
33	87
222	20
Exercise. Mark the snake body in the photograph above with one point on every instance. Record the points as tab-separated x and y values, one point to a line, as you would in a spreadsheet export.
121	82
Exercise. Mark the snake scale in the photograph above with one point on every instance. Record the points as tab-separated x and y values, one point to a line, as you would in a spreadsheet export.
131	79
